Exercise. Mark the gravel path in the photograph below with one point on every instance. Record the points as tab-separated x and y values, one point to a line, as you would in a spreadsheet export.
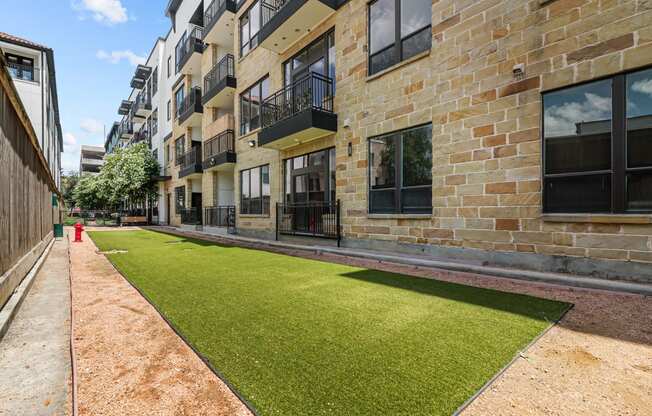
129	361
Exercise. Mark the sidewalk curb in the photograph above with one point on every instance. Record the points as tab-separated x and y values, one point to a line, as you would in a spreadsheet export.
10	309
523	275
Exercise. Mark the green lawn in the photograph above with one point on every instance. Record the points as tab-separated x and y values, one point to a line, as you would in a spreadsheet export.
304	337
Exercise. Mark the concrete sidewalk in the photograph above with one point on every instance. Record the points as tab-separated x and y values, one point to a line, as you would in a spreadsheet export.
35	370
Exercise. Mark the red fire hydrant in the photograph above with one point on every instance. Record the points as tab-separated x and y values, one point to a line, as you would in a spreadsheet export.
78	230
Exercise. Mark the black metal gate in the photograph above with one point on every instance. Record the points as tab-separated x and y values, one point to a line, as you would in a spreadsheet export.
311	219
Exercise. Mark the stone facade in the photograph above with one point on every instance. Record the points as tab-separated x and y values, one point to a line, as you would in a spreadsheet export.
487	151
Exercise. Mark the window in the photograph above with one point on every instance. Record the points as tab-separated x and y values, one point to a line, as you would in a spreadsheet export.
169	64
250	101
155	154
400	172
20	67
317	57
179	96
179	149
179	51
310	177
398	30
169	109
254	191
249	27
179	198
597	143
155	81
155	121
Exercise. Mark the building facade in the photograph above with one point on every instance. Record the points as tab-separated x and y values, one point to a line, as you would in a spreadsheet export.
91	159
513	133
31	66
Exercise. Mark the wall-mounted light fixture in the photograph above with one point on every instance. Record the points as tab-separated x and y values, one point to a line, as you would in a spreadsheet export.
252	143
350	149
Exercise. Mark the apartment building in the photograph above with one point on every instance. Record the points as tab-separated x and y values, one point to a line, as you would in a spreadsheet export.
31	67
512	133
91	159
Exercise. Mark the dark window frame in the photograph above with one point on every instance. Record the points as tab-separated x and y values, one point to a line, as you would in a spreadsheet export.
179	149
619	169
179	198
330	187
169	110
252	40
324	37
258	84
24	64
169	66
398	175
155	81
246	209
398	39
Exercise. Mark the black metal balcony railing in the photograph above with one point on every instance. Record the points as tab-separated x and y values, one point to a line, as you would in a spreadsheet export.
190	159
190	104
126	127
314	91
143	101
186	46
190	216
215	10
220	216
140	136
314	219
270	8
223	142
21	71
223	69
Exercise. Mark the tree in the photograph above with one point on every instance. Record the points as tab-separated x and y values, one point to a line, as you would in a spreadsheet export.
88	194
128	174
68	183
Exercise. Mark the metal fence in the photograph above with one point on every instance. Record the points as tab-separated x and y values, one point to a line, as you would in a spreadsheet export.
223	142
313	219
224	68
220	216
190	216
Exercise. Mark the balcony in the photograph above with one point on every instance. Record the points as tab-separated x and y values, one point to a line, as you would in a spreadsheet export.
140	136
188	52
299	113
164	175
125	107
311	219
190	163
190	110
219	152
219	23
142	106
126	130
140	77
220	84
286	21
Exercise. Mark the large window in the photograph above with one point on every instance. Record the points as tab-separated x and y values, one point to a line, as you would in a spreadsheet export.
179	149
398	30
400	172
155	81
254	191
179	198
20	67
598	146
249	28
179	96
250	101
310	177
317	57
154	121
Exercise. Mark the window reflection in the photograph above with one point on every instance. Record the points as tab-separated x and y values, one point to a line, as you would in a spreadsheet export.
639	140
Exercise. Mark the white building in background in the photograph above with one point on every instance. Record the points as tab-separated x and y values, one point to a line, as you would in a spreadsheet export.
32	68
91	159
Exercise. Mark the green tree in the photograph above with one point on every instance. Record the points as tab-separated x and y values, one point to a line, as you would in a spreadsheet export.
89	193
68	183
128	174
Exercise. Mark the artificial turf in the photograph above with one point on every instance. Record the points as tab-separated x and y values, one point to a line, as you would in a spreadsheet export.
302	337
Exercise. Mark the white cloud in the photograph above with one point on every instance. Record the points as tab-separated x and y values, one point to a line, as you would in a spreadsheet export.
91	126
643	86
69	139
115	57
560	120
103	11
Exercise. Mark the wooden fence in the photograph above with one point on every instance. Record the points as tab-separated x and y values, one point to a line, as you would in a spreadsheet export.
27	212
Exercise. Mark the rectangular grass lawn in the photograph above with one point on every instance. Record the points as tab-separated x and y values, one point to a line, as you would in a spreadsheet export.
302	337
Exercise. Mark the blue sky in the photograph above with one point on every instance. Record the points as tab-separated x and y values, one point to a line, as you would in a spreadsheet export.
96	45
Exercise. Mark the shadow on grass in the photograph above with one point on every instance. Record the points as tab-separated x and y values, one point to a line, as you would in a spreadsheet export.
524	305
